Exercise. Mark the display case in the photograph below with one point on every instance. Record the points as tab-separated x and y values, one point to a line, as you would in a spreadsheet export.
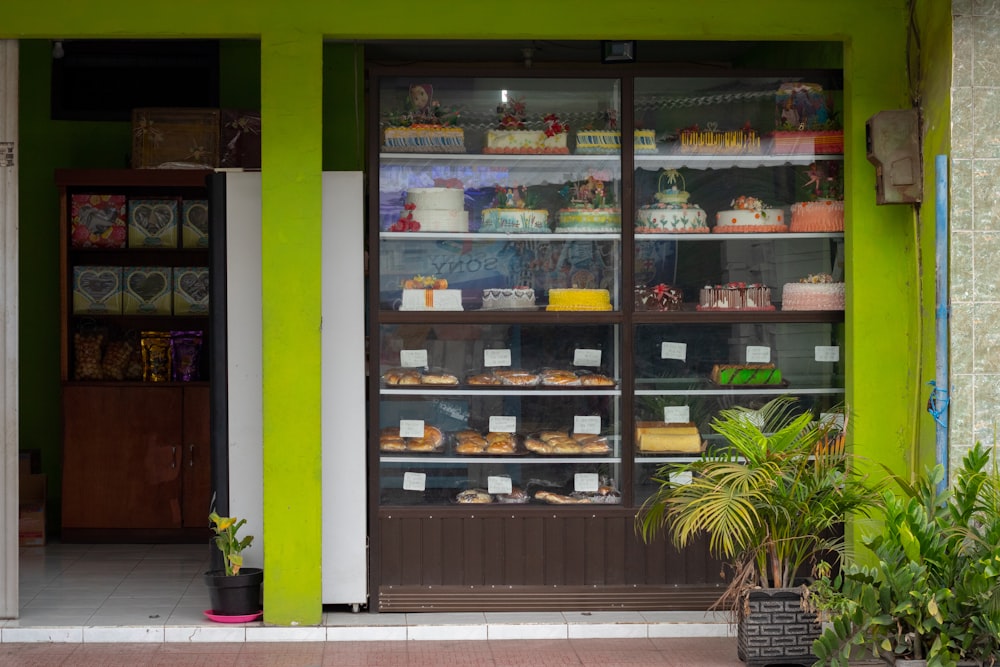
557	315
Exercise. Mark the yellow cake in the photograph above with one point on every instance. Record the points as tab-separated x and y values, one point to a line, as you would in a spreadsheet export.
666	437
579	299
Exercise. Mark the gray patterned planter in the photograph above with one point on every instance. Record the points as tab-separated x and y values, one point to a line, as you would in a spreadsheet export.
773	629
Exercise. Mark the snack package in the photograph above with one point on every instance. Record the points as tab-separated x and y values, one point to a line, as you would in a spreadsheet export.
87	347
156	362
116	358
186	352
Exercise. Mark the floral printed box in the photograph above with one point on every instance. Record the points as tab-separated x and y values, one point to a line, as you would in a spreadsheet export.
187	137
97	221
147	290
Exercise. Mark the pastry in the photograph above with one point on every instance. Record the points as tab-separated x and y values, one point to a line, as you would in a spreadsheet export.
567	446
470	447
409	377
537	446
421	445
433	434
486	379
503	446
474	496
392	444
596	380
517	377
560	378
598	446
558	498
516	495
549	435
439	378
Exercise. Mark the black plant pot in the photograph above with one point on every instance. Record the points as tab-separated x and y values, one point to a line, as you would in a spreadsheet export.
237	595
773	629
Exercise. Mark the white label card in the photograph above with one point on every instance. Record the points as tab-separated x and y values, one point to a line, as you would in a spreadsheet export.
413	358
498	484
587	424
827	353
414	481
411	428
503	424
583	357
494	358
585	482
758	354
677	414
677	351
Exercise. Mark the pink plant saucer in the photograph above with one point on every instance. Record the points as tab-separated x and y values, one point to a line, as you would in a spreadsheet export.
244	618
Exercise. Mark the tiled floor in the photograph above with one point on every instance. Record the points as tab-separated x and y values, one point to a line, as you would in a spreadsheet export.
125	594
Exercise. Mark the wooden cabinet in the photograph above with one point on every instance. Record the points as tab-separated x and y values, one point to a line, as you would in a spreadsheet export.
136	445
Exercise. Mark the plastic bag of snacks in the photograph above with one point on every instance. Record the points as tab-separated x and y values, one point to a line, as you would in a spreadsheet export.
186	352
116	358
87	353
156	366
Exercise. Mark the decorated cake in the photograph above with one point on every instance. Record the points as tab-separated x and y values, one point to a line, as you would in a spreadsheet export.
746	374
513	212
713	141
749	215
590	209
671	213
430	293
814	292
508	298
735	296
823	207
605	142
579	299
423	126
436	209
658	297
514	135
667	437
805	121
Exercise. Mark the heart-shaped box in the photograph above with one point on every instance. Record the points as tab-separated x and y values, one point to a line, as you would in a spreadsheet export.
194	230
152	223
97	289
147	290
191	290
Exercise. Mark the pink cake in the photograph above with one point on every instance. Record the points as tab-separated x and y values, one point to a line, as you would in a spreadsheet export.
735	296
817	216
814	292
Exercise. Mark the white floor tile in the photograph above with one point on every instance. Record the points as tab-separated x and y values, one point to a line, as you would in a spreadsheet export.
338	618
122	634
462	618
527	631
606	630
214	633
53	635
440	632
691	630
370	633
283	634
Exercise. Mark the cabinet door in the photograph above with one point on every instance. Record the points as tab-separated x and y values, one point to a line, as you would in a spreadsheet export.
197	479
121	457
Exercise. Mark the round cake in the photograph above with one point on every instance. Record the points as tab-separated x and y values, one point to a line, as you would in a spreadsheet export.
735	296
818	216
671	213
438	209
508	298
658	297
514	220
588	220
579	299
750	215
814	292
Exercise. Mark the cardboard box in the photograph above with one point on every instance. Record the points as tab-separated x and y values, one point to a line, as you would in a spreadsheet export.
97	221
97	290
194	229
147	290
189	136
31	510
152	223
191	290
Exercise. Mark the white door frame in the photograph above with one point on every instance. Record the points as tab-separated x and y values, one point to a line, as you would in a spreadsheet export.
8	328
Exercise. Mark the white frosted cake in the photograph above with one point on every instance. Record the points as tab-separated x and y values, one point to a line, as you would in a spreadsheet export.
814	292
750	215
508	298
525	141
671	213
515	220
438	209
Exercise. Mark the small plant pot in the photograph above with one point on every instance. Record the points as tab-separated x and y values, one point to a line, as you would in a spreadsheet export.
237	595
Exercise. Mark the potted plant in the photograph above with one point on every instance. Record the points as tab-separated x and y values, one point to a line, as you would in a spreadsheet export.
932	595
234	590
771	501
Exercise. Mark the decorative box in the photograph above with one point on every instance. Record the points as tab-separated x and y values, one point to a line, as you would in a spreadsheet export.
97	290
175	135
239	144
152	223
191	290
194	227
97	221
147	290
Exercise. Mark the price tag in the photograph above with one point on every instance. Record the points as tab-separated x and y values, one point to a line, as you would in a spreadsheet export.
582	357
498	484
587	424
827	353
414	481
585	482
680	477
411	428
494	358
758	354
503	424
677	414
677	351
413	358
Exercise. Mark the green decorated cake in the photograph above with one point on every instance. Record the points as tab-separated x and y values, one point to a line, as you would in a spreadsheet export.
746	374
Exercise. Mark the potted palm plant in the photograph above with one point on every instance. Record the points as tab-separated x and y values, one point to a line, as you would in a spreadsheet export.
771	501
932	596
234	590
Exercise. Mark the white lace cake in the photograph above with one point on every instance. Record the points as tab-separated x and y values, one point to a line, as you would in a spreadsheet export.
525	141
438	209
515	220
814	292
671	213
750	215
508	298
603	142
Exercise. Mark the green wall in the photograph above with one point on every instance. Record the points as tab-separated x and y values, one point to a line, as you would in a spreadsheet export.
884	330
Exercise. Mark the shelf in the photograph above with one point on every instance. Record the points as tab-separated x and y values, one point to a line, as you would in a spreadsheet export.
509	160
483	236
519	458
425	390
737	316
676	160
429	317
657	161
118	179
740	237
777	390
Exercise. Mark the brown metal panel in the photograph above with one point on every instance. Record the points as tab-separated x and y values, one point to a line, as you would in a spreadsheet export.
453	559
431	549
494	553
411	565
475	567
594	541
390	552
576	551
615	536
534	550
514	561
555	573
